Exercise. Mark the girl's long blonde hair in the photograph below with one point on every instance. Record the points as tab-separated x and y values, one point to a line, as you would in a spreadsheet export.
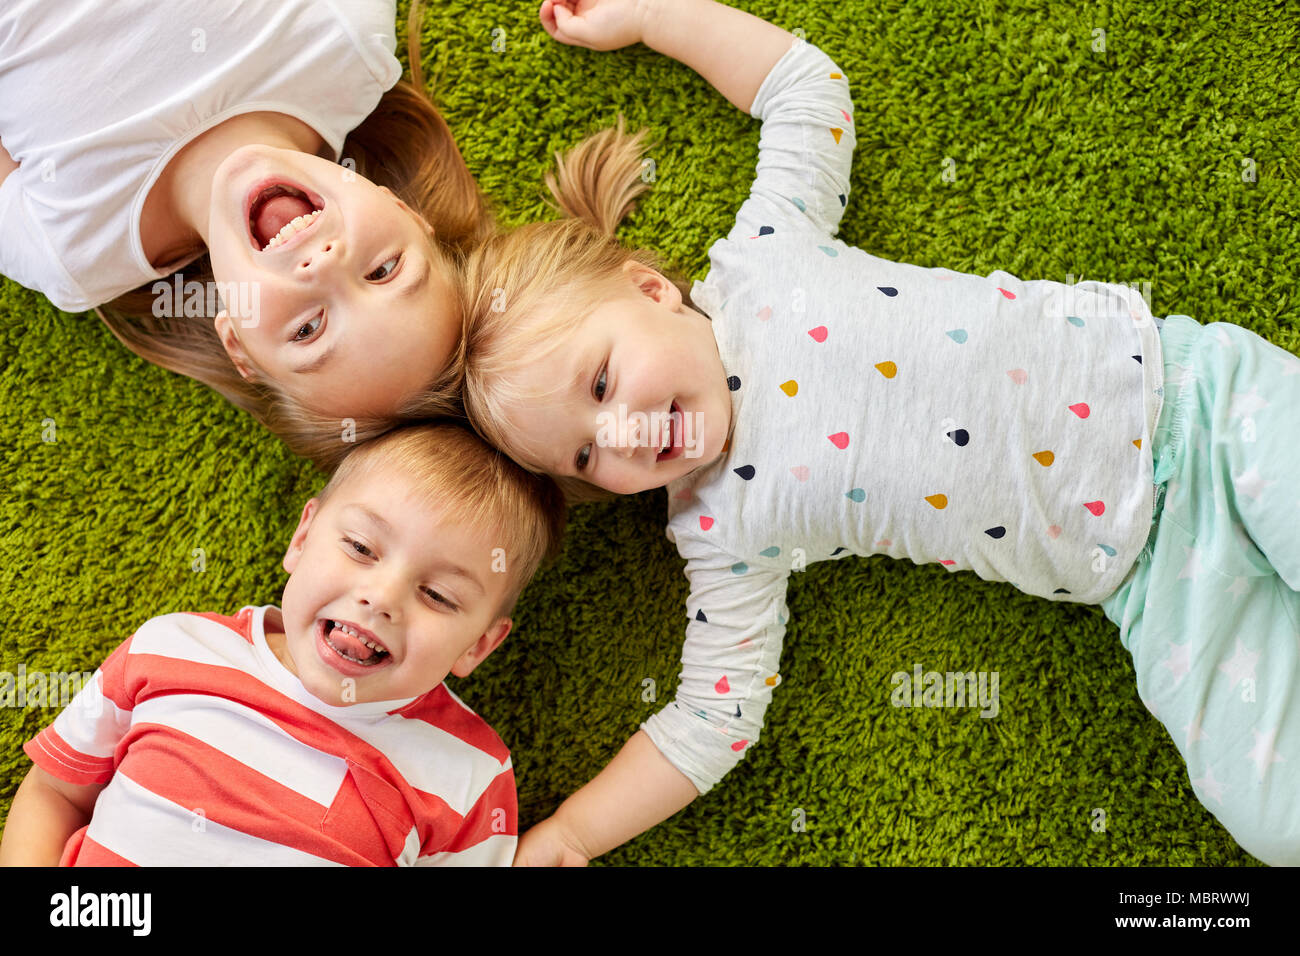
406	145
526	289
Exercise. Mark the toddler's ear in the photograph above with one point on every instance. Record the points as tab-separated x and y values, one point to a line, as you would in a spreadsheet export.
653	284
226	332
485	645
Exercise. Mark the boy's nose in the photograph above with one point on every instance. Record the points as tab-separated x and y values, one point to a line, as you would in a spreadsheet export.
379	595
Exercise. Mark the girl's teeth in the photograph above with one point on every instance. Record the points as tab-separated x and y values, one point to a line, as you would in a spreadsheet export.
289	228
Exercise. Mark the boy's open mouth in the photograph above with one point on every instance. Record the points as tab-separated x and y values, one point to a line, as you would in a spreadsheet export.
352	643
278	211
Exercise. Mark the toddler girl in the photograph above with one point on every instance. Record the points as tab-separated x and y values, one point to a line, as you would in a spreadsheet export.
158	161
809	401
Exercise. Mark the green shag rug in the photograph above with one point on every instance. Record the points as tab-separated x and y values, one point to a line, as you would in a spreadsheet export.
1129	142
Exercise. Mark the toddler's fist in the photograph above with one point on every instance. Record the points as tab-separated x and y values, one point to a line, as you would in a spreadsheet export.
547	844
594	24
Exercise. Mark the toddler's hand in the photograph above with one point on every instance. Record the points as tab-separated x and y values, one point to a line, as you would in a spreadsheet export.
548	844
594	24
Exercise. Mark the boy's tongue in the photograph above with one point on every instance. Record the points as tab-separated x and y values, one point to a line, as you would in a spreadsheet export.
349	645
275	212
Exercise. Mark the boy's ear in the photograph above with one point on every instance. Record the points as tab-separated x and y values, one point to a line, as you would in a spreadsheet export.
226	332
489	641
299	540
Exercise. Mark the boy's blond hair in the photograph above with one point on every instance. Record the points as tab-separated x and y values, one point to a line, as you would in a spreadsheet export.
469	484
526	290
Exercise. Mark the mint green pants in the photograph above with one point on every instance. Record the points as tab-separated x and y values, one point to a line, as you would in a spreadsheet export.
1211	610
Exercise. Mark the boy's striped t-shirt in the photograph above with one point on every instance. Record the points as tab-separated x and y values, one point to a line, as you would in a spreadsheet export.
215	754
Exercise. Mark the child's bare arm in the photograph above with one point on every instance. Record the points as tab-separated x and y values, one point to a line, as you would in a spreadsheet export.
46	811
730	48
638	790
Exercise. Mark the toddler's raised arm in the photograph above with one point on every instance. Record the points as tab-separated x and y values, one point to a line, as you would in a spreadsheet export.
730	48
806	144
805	149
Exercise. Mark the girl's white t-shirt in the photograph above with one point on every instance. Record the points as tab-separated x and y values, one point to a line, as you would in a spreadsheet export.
984	423
96	97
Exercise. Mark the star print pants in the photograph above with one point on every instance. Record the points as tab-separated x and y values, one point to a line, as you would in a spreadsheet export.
1211	610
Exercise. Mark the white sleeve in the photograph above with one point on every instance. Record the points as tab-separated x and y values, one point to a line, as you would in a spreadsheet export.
25	254
736	622
373	26
805	147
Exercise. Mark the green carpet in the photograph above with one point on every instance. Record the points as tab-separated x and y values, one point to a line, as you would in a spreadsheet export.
1124	165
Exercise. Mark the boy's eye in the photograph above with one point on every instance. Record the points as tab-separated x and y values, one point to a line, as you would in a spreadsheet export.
583	457
439	598
310	328
361	549
600	385
389	264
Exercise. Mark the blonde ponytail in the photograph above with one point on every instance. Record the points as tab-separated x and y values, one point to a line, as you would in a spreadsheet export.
599	180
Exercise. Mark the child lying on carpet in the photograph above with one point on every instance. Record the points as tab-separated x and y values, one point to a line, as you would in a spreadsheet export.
206	174
318	732
809	401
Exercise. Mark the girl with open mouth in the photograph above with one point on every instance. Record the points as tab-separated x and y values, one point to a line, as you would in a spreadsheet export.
267	152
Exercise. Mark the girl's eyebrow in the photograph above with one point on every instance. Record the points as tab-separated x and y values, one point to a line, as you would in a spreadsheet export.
317	362
416	285
582	376
582	380
562	466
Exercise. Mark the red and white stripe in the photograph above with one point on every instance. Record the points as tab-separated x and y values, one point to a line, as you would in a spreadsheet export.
208	762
